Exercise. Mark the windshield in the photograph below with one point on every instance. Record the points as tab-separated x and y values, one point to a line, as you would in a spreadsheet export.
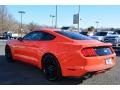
100	34
74	35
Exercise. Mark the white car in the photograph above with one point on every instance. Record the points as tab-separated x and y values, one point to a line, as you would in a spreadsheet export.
102	34
114	40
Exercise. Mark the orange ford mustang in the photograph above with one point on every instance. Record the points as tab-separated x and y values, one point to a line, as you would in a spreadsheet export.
61	53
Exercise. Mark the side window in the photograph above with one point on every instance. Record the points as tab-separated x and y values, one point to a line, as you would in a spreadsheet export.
28	36
33	36
38	35
47	36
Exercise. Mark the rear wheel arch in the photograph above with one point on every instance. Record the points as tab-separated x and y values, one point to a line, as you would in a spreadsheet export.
45	59
46	54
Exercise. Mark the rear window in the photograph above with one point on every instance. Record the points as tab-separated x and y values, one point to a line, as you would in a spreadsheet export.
73	35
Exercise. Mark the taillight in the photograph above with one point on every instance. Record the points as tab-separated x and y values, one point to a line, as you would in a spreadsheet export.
89	52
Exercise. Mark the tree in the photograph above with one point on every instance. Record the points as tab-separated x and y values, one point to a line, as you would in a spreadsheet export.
7	22
32	26
3	16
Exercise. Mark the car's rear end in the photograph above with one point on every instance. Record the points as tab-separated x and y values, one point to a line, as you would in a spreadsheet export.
83	55
98	58
91	58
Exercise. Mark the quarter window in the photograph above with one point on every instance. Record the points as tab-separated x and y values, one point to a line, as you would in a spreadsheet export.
39	35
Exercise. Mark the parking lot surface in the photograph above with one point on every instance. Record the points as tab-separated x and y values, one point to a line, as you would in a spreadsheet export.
21	73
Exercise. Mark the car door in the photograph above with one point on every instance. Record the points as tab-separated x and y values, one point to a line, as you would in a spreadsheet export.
36	46
33	46
19	47
26	49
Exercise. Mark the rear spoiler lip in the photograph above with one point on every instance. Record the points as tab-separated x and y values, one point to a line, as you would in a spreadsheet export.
96	45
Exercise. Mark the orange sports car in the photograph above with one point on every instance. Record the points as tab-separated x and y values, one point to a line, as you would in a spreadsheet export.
61	53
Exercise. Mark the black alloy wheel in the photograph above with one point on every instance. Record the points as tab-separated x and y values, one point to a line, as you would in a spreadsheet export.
8	54
51	68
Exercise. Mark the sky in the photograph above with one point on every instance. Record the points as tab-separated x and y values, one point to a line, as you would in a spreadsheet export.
107	15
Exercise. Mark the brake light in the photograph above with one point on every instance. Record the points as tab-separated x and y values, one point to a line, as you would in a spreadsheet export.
89	52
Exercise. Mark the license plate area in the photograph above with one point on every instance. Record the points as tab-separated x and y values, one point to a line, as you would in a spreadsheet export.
108	61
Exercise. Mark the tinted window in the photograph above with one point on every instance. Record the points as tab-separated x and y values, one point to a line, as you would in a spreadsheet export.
101	34
29	36
47	36
38	35
74	35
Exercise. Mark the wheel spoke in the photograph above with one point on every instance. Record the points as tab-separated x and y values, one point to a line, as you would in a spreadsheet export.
51	69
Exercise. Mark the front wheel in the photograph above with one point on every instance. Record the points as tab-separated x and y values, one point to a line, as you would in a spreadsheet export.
51	68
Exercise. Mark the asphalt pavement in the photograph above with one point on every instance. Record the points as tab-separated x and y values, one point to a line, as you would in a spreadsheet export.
19	73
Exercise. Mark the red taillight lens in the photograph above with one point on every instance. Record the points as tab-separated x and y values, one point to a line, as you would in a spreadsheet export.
89	52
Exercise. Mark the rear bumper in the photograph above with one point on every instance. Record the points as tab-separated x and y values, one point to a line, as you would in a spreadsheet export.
92	65
80	71
98	67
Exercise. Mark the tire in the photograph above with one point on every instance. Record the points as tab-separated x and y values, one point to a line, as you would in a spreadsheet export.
8	54
51	68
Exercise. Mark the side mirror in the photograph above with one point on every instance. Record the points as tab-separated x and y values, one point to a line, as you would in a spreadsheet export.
20	39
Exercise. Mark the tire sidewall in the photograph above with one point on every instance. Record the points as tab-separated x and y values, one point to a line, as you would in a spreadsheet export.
8	50
54	59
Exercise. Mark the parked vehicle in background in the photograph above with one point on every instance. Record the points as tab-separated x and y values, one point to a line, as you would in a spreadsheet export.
114	40
7	35
84	33
1	36
117	31
102	34
15	35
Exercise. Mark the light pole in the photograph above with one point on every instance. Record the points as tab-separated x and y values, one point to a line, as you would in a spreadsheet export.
56	17
80	23
52	17
97	23
78	18
2	19
21	27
